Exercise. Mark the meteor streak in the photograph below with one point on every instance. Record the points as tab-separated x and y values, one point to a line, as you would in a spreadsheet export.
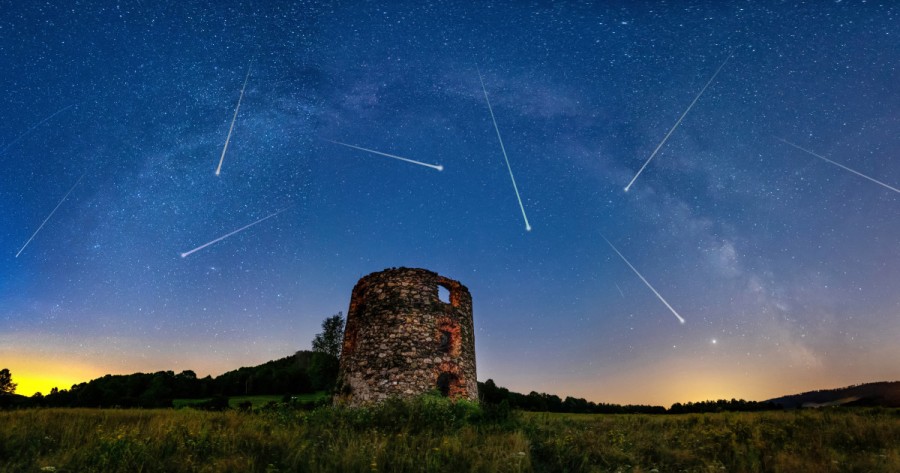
48	216
823	158
661	143
502	148
620	290
680	319
188	253
432	166
227	139
27	132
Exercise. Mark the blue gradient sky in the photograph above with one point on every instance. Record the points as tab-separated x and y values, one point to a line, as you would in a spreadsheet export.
783	265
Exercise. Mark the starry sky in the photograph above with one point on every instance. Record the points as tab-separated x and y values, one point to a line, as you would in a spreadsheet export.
783	265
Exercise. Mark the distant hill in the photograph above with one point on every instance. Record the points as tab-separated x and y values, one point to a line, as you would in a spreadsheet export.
884	394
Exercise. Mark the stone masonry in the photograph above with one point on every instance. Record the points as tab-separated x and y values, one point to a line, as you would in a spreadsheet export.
401	340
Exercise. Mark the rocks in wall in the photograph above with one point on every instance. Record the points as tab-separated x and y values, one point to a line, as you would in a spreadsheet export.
401	340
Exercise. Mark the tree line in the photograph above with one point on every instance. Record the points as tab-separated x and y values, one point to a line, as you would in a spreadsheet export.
303	372
490	393
307	372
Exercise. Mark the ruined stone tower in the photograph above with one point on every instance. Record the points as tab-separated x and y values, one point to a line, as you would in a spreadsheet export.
402	340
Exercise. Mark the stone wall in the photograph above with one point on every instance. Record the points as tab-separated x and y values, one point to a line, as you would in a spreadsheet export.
401	340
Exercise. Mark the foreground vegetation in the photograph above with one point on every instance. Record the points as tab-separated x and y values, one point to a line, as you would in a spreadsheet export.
431	434
255	402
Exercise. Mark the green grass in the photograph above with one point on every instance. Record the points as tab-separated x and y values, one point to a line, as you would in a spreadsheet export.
827	440
435	435
256	401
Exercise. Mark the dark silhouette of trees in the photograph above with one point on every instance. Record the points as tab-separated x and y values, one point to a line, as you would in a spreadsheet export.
186	383
323	371
491	394
721	405
325	360
286	375
331	338
6	384
304	372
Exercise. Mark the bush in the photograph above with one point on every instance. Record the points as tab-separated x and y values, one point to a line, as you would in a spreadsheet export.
217	403
423	413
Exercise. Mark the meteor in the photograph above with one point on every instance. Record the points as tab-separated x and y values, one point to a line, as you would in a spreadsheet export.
188	253
227	139
502	148
680	319
432	166
661	143
823	158
620	289
51	214
27	132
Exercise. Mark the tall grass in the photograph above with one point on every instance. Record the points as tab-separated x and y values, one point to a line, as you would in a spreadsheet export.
435	435
421	435
256	401
797	441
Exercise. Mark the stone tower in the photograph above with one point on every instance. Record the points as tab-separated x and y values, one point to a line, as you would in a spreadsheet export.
402	340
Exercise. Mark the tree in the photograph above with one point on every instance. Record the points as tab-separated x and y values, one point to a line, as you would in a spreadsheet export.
188	374
323	371
490	393
324	364
6	384
332	336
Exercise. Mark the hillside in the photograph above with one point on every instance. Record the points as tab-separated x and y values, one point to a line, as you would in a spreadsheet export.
885	394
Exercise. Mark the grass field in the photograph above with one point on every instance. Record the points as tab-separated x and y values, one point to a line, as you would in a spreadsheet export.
257	401
434	435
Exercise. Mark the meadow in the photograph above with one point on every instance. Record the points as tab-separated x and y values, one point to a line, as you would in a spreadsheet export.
257	402
435	435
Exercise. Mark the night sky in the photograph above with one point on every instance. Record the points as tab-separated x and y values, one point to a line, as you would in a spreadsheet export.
783	265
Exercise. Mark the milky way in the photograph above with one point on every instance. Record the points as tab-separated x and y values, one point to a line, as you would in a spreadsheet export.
786	261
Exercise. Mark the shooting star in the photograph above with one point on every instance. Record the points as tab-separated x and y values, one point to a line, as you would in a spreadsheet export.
502	148
680	319
48	216
661	143
432	166
620	289
230	129
188	253
823	158
28	132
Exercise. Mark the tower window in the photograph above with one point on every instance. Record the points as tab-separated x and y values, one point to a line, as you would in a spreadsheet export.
444	294
447	337
444	342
